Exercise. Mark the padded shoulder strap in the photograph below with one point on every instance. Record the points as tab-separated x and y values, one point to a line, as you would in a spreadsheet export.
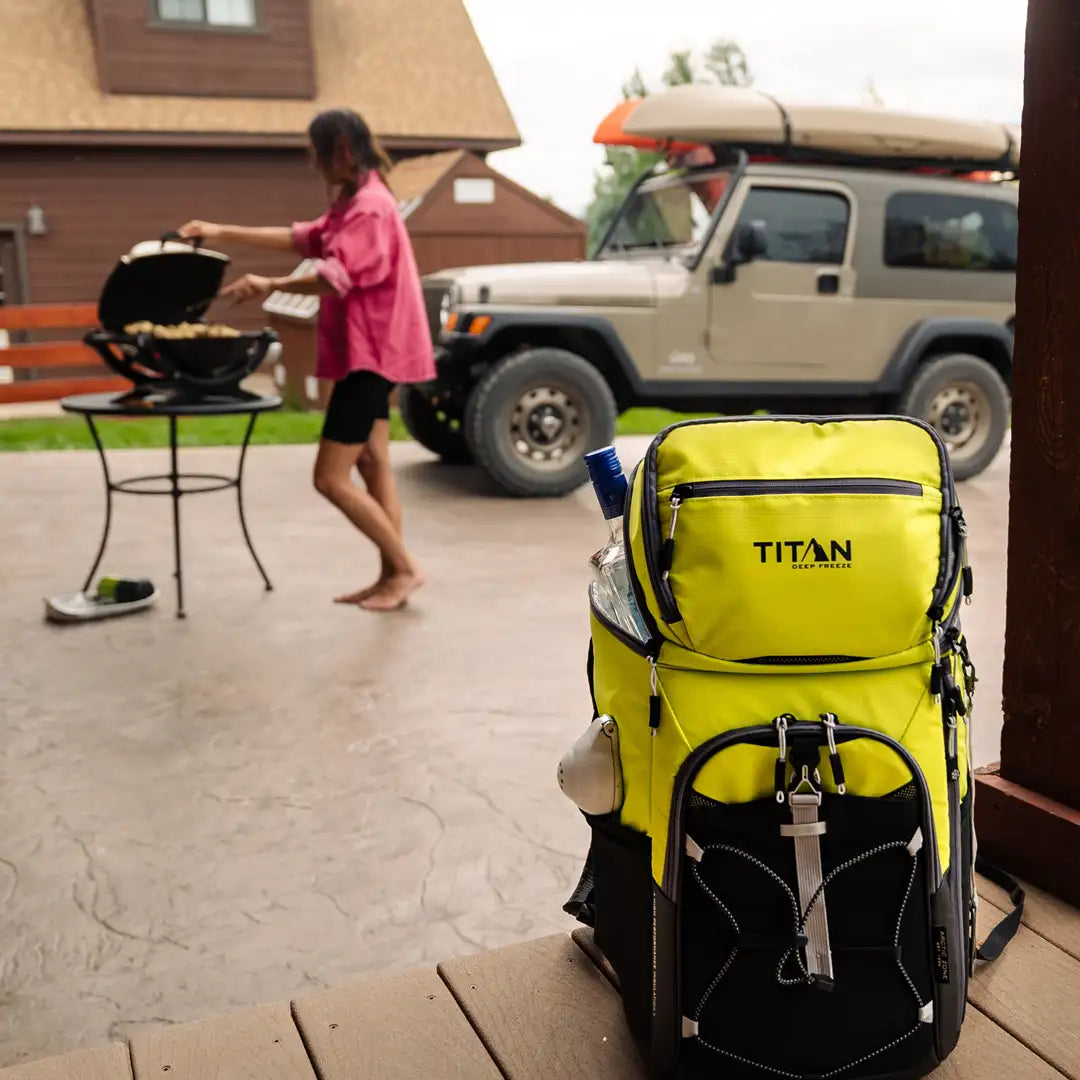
1005	931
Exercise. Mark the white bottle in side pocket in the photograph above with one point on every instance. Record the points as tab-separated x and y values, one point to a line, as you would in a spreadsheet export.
590	772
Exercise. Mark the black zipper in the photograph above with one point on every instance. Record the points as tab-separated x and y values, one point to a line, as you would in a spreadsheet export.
635	581
845	485
651	512
765	735
801	660
958	572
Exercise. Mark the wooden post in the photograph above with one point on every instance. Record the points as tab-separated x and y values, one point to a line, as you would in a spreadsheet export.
1028	809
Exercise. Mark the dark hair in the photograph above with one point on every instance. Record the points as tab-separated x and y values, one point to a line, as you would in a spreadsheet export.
337	129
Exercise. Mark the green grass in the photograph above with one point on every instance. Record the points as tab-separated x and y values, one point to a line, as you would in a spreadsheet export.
276	428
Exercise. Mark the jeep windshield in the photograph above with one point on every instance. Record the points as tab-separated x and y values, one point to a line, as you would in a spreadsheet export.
671	213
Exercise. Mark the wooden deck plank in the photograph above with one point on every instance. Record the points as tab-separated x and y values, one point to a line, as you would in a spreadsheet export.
988	1052
1049	917
985	1051
545	1012
584	940
102	1063
1033	991
398	1028
261	1044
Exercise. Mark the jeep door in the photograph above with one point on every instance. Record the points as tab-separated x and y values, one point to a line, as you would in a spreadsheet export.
785	316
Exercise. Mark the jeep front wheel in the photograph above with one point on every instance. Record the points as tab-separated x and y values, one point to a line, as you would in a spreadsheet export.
430	427
532	418
967	402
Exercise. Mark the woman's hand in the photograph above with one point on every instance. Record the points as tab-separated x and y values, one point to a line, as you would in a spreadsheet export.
205	230
249	287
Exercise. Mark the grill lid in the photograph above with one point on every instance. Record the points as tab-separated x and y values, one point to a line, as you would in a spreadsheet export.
166	281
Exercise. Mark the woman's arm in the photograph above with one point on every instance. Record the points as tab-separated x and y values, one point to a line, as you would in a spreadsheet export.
313	284
253	286
269	237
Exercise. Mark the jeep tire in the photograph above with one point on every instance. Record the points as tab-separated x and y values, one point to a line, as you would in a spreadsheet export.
533	416
431	428
967	402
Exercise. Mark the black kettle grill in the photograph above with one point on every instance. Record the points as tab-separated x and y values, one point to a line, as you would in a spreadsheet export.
166	283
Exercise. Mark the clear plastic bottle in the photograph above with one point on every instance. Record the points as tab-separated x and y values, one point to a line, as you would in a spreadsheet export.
611	590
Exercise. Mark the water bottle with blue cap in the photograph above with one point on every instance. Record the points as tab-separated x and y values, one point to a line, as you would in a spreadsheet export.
611	591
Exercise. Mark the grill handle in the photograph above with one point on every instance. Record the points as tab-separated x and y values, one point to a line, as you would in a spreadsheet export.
195	241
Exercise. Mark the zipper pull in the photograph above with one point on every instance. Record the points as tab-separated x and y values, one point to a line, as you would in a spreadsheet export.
654	697
667	552
952	747
952	764
966	666
935	670
830	722
966	574
952	708
780	773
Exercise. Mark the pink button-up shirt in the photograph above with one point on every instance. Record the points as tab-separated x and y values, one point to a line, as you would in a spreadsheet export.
375	319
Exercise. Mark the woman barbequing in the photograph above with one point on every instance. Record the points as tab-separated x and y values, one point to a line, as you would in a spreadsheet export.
373	333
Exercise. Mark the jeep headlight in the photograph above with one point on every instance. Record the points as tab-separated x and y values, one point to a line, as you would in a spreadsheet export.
445	308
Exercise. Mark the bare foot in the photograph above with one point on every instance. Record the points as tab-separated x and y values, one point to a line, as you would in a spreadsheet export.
359	597
393	592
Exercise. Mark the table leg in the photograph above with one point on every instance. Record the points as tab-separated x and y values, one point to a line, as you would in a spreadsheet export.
174	476
240	499
108	502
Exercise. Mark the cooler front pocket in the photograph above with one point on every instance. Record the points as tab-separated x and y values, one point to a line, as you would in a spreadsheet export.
800	570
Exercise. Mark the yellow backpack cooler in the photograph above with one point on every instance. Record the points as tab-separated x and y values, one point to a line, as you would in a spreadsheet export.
786	886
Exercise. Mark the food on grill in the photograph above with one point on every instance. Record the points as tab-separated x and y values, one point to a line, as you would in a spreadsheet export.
182	331
154	329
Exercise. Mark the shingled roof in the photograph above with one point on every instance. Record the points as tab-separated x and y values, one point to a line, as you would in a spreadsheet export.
414	68
415	177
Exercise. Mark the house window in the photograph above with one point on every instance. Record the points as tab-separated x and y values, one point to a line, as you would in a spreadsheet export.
470	189
208	12
950	232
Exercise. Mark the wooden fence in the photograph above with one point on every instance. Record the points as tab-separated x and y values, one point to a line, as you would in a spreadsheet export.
49	370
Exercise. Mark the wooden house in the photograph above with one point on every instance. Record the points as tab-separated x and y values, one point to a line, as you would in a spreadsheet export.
120	119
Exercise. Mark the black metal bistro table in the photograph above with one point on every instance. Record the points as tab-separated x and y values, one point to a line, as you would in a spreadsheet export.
174	483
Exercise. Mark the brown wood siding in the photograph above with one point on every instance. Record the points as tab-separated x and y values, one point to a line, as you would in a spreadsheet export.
517	227
515	211
448	250
99	203
138	55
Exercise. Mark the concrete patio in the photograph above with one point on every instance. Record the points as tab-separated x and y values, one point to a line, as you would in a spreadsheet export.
280	793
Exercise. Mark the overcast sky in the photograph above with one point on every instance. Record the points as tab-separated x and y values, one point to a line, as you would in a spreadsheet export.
561	63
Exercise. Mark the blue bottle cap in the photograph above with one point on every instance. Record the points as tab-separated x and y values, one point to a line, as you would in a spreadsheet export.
609	483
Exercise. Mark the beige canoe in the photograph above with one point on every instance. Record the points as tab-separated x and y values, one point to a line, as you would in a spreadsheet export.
736	116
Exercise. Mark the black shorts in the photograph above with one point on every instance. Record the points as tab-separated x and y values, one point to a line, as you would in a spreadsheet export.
356	402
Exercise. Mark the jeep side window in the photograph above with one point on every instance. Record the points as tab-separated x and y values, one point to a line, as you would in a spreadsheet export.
800	226
950	232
